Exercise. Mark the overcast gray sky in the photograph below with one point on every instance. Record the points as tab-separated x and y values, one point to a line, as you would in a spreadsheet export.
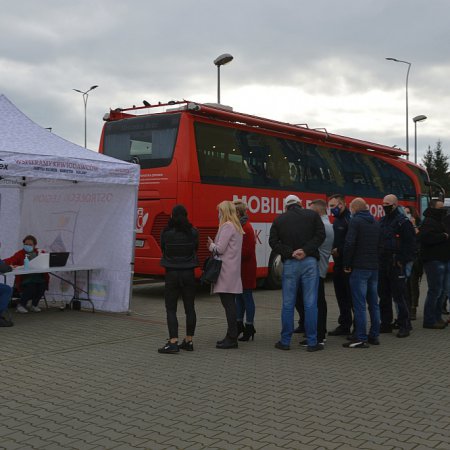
319	62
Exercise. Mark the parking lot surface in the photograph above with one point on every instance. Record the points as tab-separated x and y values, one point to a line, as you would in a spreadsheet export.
77	380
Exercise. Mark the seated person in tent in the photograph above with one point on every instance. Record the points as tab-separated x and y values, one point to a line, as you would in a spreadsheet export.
32	286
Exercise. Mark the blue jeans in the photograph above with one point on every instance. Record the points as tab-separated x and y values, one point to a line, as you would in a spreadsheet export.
435	271
446	292
364	285
304	273
245	305
5	297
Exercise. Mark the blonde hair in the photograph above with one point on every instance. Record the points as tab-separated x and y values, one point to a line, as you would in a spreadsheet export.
228	214
241	207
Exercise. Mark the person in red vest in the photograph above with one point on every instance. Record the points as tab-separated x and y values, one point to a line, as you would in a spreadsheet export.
31	286
245	303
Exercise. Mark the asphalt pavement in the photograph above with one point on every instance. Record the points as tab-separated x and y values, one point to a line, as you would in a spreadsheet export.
78	380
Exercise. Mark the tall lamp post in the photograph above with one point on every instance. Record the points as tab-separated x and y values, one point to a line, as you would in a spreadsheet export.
407	120
85	99
416	119
221	61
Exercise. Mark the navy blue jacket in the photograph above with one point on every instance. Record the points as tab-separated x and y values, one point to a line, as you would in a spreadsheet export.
361	242
340	228
397	238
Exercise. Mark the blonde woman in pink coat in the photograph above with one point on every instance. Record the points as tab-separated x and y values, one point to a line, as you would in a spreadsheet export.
228	245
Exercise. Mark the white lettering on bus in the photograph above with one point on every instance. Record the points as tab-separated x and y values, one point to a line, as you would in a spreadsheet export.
264	205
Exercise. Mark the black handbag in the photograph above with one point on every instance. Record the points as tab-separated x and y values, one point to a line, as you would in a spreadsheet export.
5	268
211	269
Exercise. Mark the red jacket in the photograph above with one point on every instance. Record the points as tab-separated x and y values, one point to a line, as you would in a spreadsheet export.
248	261
17	260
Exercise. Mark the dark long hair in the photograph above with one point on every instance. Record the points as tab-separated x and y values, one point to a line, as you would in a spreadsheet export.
179	219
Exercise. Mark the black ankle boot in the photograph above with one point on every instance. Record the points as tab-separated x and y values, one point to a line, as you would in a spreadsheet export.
249	332
240	327
228	342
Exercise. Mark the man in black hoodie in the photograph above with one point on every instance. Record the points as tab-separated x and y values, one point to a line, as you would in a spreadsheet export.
397	249
435	252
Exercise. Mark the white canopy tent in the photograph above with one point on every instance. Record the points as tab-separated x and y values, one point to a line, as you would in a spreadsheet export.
72	199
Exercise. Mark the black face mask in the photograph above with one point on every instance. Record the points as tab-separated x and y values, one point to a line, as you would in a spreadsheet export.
388	209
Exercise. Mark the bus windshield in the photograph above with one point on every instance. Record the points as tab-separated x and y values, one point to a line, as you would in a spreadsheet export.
148	141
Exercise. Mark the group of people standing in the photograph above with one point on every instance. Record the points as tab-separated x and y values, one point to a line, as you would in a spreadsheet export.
235	245
377	264
380	264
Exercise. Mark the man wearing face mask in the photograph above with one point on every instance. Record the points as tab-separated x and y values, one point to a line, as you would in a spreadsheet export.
435	251
31	286
397	249
341	214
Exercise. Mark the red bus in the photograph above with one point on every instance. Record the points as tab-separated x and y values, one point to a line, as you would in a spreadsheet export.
200	154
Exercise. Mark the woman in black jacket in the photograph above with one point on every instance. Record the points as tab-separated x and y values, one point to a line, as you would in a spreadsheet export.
179	244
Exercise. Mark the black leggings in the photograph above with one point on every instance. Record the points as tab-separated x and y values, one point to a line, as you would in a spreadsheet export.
229	305
180	282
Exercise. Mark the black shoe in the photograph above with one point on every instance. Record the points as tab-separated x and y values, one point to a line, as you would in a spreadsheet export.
396	325
228	342
249	332
315	348
339	331
281	346
386	328
300	329
5	322
169	348
187	345
442	322
355	344
304	343
240	327
435	326
402	333
373	341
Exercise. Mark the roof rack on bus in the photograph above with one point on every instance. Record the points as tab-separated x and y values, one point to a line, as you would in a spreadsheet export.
226	113
284	127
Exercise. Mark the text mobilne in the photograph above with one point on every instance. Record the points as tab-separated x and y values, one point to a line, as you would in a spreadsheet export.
264	205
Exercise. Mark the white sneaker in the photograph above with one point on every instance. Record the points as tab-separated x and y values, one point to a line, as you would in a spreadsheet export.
35	309
20	309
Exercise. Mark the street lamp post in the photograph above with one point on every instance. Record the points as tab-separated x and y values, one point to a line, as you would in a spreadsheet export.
85	99
221	61
416	119
407	120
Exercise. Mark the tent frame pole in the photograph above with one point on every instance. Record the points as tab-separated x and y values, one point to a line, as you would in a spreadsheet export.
133	248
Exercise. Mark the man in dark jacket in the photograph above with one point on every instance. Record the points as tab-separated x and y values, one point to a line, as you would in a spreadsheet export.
397	249
361	262
435	252
341	214
296	235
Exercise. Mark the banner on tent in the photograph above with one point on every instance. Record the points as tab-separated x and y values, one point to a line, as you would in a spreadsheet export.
35	166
